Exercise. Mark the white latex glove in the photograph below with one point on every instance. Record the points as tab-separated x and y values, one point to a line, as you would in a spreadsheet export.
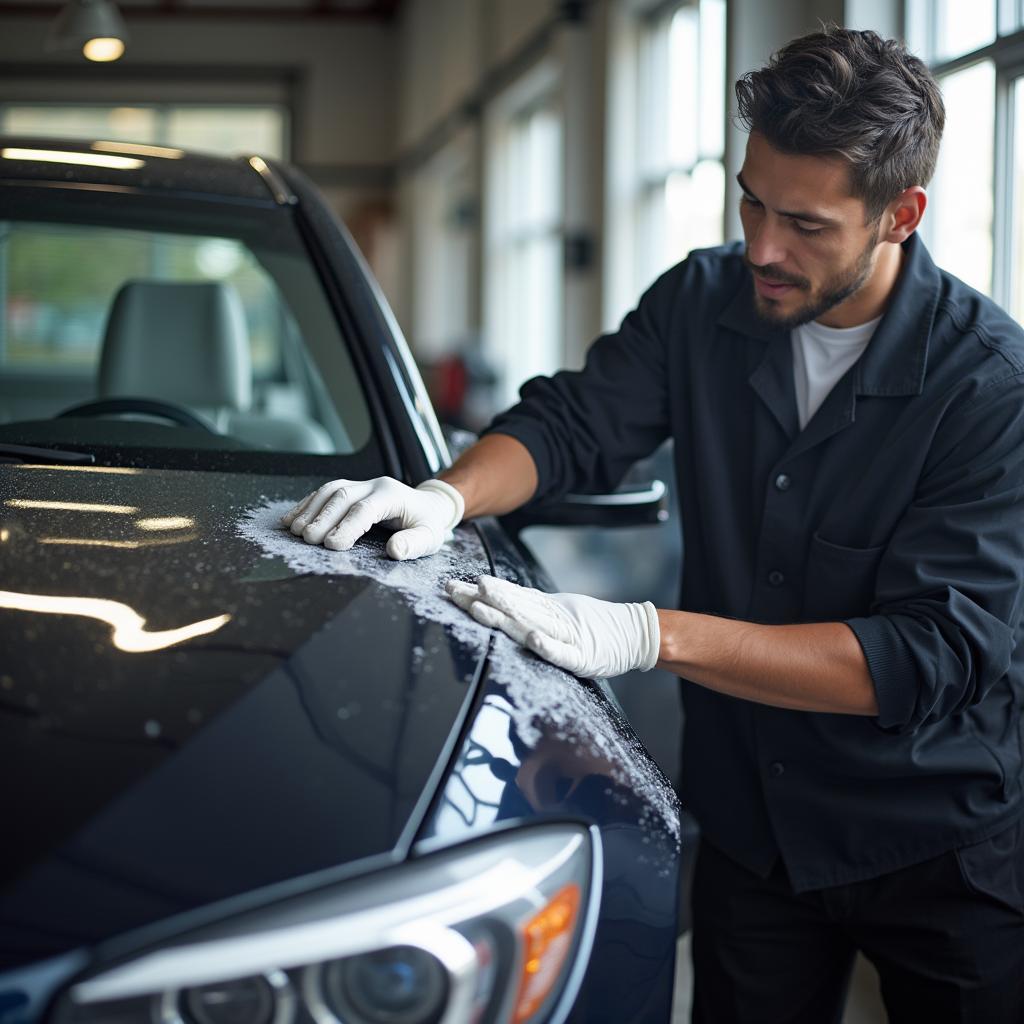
581	634
340	512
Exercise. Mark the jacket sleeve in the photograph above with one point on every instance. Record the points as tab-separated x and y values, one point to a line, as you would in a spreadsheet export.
948	593
585	428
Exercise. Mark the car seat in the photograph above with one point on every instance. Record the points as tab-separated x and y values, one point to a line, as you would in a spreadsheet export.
186	342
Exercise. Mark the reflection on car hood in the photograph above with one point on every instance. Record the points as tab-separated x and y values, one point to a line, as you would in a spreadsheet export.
188	715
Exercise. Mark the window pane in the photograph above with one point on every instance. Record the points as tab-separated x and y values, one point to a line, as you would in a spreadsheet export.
227	130
525	276
654	99
695	208
542	138
961	27
712	77
683	45
119	124
1017	261
963	188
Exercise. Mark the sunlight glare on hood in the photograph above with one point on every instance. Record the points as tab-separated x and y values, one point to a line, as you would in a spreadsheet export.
165	523
73	506
126	470
129	634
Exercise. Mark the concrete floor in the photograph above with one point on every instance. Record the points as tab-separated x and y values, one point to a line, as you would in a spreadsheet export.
863	1006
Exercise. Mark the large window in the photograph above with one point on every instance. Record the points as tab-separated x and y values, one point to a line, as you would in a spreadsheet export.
525	239
443	213
975	225
221	128
666	141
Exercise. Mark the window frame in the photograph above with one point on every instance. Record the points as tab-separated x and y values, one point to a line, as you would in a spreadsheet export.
1006	52
633	184
540	89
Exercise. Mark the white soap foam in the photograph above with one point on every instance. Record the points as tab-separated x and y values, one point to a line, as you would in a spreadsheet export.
537	690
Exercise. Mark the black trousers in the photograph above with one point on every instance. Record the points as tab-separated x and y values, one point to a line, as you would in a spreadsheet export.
946	936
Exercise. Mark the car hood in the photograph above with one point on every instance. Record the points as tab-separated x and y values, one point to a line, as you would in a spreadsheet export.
195	705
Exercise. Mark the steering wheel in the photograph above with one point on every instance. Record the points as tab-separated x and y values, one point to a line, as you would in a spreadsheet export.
145	406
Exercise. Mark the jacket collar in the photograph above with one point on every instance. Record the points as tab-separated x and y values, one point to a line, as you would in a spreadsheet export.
896	358
895	361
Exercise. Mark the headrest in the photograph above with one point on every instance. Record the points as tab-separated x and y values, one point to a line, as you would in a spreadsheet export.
182	341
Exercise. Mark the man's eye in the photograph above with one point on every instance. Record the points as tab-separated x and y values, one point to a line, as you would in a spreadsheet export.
806	228
749	200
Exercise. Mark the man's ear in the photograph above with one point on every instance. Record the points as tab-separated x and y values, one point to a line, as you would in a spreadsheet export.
903	215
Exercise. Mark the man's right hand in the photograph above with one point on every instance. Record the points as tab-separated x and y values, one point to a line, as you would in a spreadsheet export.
339	513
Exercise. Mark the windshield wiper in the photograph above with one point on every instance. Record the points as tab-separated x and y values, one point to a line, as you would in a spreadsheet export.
29	453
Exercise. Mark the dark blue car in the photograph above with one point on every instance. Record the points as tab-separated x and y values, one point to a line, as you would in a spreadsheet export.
246	779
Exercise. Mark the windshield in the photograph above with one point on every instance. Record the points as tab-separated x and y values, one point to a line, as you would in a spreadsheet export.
157	329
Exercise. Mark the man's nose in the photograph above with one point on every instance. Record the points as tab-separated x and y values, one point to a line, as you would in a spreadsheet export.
765	245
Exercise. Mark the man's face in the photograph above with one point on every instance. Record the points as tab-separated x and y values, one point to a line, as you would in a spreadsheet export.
811	253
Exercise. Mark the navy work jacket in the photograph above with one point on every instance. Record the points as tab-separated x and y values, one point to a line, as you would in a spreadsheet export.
898	509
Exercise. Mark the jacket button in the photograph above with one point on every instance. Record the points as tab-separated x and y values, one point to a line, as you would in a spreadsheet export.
777	768
776	578
782	482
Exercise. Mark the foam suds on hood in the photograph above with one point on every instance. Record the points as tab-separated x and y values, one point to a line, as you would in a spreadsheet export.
538	691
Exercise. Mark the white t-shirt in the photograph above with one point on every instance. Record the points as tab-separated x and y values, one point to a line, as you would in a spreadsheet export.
821	355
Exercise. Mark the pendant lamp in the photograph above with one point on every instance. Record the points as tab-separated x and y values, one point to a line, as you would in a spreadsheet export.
93	26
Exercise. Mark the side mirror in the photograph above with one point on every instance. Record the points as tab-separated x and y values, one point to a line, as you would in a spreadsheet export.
634	505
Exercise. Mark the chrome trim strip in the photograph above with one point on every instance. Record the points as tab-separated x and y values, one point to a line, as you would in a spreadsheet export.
653	493
278	189
592	912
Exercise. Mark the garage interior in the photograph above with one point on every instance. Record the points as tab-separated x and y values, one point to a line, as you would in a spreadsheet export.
516	172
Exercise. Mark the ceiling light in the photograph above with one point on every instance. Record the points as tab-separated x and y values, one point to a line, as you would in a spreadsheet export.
103	49
93	26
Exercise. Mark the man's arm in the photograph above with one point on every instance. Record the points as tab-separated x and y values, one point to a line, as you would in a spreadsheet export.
495	476
587	428
813	667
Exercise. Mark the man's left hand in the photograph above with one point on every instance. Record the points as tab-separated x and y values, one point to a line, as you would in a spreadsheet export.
581	634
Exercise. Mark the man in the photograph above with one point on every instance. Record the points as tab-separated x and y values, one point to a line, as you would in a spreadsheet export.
849	443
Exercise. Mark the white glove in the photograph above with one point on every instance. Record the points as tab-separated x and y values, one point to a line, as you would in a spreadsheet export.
341	511
580	634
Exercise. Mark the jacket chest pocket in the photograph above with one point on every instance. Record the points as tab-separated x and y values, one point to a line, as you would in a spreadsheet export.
839	582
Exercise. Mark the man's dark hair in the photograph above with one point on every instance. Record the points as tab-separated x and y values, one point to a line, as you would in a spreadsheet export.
854	95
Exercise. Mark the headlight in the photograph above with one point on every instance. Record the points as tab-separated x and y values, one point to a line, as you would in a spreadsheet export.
495	931
261	1000
401	985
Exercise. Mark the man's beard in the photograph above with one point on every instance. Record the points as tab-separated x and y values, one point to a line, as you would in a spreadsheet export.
836	289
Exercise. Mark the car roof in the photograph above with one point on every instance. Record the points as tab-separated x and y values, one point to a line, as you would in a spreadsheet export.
135	166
